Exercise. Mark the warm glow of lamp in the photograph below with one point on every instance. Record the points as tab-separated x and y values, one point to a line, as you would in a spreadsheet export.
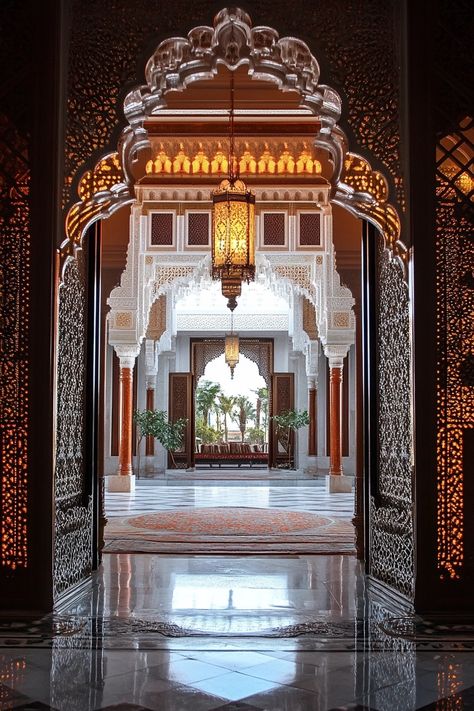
231	347
233	226
231	351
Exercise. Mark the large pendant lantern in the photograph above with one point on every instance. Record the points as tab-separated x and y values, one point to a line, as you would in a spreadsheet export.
233	227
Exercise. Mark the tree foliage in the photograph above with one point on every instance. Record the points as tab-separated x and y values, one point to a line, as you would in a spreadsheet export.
155	423
286	422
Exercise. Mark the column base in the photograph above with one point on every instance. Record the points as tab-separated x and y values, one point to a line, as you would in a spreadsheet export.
339	484
121	483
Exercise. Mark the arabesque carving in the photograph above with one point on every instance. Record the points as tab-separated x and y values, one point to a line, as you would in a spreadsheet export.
286	62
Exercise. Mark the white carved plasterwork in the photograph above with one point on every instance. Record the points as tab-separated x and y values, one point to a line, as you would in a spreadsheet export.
312	361
151	363
336	353
242	322
291	276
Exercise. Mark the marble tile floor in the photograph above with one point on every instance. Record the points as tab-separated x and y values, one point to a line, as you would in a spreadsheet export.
149	497
351	662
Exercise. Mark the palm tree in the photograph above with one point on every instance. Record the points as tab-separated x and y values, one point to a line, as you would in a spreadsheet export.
262	406
206	393
245	412
226	404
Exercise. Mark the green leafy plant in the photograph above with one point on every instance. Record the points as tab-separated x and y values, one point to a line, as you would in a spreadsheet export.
207	434
156	424
287	422
256	435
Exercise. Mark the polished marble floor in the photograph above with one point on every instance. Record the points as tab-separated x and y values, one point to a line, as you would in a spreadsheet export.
152	496
172	633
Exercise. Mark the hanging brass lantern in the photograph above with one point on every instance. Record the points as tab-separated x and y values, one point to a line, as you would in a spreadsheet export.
233	226
231	351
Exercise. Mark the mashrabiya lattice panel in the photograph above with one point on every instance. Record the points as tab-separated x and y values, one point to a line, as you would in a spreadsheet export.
14	328
73	525
455	344
392	542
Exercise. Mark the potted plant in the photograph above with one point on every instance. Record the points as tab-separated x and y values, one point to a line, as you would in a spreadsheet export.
287	422
156	423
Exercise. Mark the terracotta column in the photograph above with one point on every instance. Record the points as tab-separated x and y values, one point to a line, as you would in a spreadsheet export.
150	405
126	425
337	482
335	391
312	429
124	480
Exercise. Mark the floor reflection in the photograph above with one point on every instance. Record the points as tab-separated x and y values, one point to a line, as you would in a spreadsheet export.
114	654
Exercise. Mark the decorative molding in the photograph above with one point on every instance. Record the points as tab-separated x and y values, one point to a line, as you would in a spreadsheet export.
199	158
220	322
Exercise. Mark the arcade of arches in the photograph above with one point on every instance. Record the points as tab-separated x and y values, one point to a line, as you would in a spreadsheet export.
350	535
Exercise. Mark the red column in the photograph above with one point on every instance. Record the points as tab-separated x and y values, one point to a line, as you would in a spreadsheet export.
126	397
335	450
312	429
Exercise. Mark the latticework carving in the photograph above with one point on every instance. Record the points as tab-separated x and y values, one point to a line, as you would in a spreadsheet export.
455	338
391	524
299	274
73	525
309	320
14	330
168	274
157	319
274	229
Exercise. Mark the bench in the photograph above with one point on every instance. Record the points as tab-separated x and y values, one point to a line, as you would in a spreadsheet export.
233	459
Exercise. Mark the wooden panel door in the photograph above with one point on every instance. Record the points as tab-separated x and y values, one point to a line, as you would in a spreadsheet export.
181	405
282	398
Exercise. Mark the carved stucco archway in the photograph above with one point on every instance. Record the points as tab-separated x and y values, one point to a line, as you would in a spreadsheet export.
286	62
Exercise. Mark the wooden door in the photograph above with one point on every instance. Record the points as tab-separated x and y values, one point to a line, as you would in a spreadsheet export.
282	398
181	405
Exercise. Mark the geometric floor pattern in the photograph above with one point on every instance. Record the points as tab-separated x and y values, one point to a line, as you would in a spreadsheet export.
154	497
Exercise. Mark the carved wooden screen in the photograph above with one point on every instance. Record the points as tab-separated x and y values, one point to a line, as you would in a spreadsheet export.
74	506
181	405
282	398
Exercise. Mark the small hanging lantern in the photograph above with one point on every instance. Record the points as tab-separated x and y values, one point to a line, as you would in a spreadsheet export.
232	352
231	348
233	226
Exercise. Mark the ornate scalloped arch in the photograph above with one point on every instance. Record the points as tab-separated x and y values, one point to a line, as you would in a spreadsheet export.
232	42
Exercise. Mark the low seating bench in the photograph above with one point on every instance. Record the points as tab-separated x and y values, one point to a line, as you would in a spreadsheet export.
212	458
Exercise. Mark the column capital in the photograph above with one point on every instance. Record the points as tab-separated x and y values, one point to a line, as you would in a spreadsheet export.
312	382
127	355
336	354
